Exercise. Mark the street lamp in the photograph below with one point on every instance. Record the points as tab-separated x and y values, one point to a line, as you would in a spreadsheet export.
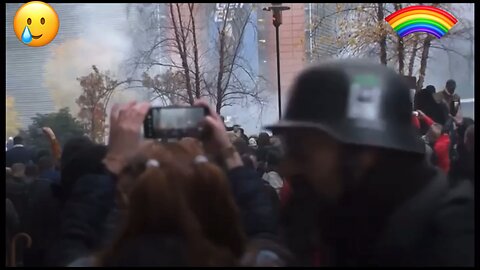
277	9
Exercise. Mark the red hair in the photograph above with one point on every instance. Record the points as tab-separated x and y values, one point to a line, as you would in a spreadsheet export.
181	197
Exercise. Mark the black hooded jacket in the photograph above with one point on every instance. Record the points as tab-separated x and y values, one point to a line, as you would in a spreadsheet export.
410	219
85	225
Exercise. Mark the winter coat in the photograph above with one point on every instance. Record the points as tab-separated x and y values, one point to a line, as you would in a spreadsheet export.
274	199
441	148
83	219
85	214
51	175
18	154
16	190
11	223
434	227
464	167
256	209
41	221
449	100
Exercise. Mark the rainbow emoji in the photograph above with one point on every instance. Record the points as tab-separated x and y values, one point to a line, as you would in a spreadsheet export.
426	19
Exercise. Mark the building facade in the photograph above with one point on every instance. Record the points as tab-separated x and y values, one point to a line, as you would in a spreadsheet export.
302	41
26	66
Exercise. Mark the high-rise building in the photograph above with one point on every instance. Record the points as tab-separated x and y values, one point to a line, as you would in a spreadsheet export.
26	66
25	69
301	41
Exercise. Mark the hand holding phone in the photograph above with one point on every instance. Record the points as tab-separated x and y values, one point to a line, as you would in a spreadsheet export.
216	140
124	136
174	122
420	114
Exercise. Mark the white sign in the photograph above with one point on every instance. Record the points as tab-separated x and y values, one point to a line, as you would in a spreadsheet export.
221	11
364	102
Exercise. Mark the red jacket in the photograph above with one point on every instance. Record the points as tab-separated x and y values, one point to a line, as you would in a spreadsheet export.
285	193
441	148
415	122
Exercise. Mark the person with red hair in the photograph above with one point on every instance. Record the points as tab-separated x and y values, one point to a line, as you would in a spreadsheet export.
171	192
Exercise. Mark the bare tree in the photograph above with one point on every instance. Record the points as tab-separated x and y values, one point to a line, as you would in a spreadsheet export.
181	36
231	86
364	32
413	55
226	83
424	60
400	47
195	51
173	33
463	30
382	42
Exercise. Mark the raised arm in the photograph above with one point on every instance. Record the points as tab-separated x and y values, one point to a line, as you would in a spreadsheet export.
54	144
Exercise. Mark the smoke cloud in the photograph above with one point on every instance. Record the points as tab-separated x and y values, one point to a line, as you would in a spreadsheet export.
100	42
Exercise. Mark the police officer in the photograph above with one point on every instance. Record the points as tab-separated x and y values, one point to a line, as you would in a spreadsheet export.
348	137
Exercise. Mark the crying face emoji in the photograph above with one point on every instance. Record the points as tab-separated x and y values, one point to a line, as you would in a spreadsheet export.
36	24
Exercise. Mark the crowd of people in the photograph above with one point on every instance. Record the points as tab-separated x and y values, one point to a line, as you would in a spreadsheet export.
331	185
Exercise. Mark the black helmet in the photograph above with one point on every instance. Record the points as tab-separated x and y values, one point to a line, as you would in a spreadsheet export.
355	102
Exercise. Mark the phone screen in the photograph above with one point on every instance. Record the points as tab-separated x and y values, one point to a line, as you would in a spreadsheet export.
174	122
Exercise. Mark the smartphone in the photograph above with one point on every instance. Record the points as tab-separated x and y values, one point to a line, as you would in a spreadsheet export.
174	122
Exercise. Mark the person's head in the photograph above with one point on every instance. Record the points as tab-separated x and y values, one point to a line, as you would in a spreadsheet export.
10	142
430	89
275	141
469	139
242	131
343	120
236	128
252	142
450	86
18	170
248	161
31	171
424	100
263	139
46	163
241	145
86	160
274	157
434	132
17	140
73	146
171	189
